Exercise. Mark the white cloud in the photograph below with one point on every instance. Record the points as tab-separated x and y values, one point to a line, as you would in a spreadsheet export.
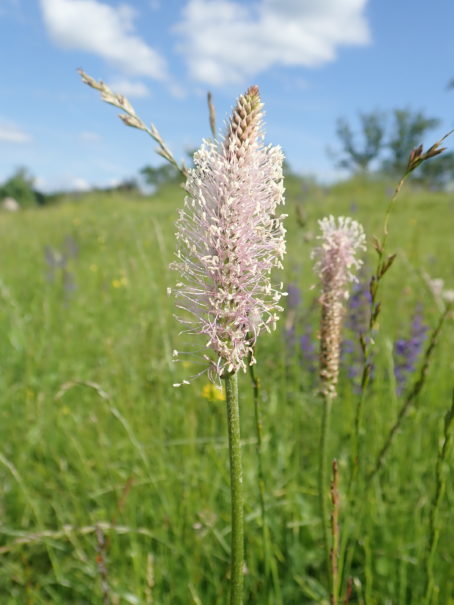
40	183
177	91
130	88
11	133
107	31
62	182
114	182
227	42
89	136
79	184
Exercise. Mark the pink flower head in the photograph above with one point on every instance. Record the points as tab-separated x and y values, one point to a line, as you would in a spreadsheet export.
335	259
335	264
229	240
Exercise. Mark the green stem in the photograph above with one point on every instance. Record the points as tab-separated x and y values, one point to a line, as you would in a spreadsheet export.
261	476
440	489
358	422
323	488
236	489
334	553
412	395
259	431
271	570
270	565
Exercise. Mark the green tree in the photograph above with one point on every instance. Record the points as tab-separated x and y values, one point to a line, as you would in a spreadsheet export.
20	186
357	156
156	176
437	173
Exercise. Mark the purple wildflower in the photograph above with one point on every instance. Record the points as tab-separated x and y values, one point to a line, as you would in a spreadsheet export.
358	312
230	239
308	350
335	263
293	297
408	350
293	302
305	339
357	324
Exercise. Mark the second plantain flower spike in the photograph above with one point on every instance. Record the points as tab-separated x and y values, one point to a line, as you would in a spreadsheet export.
229	239
335	264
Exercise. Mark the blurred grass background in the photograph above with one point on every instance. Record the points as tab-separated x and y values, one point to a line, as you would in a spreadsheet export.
93	435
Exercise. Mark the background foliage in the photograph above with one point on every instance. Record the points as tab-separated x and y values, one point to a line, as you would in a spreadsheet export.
114	485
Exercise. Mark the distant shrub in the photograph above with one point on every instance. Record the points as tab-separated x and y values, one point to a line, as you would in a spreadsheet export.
384	145
20	186
157	176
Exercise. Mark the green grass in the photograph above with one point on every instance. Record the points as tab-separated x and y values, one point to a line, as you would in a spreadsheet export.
92	431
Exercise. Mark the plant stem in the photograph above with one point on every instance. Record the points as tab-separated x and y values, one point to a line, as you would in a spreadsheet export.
334	552
270	564
412	395
383	264
236	489
322	479
356	437
441	477
258	431
357	470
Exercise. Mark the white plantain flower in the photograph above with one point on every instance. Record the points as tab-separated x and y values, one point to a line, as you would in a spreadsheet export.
229	239
335	264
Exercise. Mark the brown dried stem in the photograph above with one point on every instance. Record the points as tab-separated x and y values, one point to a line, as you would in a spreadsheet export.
68	530
101	550
211	113
349	591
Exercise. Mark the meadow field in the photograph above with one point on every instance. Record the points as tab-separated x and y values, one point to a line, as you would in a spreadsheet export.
114	485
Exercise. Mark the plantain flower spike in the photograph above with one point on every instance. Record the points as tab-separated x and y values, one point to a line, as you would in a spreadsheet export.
336	263
229	239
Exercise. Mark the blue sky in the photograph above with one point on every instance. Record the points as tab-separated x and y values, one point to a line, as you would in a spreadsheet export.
313	60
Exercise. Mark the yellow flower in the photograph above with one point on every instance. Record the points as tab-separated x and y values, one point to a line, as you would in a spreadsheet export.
212	392
120	283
